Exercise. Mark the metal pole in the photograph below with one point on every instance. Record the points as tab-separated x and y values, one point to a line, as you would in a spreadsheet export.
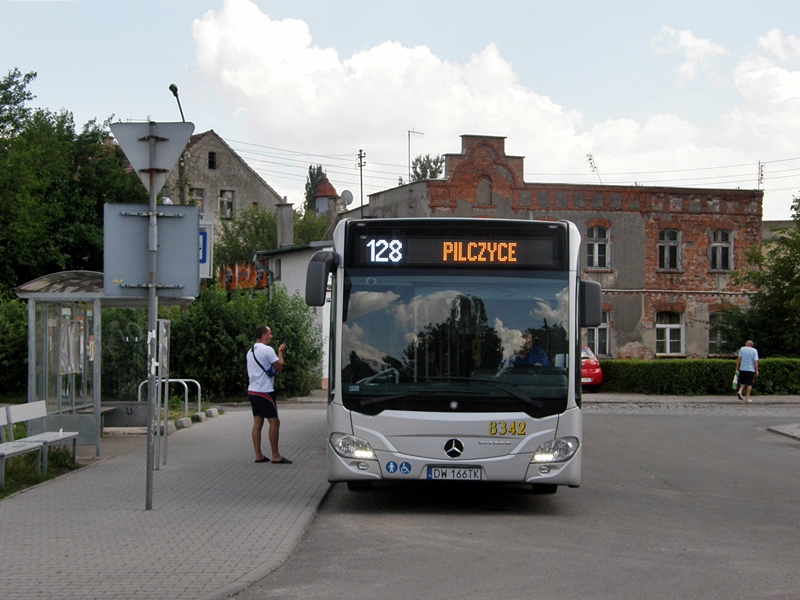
152	315
361	164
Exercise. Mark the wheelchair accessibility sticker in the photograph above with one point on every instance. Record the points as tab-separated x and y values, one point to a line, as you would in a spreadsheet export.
392	467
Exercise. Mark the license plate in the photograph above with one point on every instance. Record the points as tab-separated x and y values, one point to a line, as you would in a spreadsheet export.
586	379
455	473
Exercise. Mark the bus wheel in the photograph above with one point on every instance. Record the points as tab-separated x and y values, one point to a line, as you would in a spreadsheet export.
544	488
359	486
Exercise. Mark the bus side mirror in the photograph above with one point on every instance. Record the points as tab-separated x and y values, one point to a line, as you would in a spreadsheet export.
590	312
320	266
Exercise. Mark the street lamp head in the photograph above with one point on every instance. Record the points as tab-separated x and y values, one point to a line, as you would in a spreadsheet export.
174	89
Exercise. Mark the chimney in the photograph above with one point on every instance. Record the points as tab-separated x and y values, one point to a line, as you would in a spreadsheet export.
285	224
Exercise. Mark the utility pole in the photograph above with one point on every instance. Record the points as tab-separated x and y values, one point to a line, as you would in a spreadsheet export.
410	131
361	163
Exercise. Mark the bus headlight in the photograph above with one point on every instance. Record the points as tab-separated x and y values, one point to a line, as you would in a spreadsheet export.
557	450
350	446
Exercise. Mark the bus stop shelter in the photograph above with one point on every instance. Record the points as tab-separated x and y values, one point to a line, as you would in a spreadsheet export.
64	347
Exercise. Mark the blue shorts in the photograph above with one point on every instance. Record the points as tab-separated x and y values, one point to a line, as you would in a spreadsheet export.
263	405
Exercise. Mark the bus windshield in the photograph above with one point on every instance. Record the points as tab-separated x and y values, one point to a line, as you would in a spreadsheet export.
443	340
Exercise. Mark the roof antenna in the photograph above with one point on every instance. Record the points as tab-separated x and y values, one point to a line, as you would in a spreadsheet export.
593	166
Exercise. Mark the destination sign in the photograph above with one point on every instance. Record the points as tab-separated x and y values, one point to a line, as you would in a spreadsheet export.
409	251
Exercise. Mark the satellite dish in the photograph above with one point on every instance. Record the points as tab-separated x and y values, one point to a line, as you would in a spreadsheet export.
347	197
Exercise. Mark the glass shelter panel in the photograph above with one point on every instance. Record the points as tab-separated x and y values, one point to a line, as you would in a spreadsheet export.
64	347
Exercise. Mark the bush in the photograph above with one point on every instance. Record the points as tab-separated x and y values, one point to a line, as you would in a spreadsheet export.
14	349
697	377
210	339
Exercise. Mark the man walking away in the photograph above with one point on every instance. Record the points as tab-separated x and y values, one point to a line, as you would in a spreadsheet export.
747	365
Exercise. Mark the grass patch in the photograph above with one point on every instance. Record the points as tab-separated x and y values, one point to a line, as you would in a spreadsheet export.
21	470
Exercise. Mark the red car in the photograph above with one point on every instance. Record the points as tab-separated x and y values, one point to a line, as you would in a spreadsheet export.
591	373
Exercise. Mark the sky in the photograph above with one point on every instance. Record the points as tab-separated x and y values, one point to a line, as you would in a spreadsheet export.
684	94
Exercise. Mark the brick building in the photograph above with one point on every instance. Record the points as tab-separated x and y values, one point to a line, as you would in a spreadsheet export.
664	256
218	180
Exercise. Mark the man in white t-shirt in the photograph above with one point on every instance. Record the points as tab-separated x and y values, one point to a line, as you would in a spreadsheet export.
262	365
747	365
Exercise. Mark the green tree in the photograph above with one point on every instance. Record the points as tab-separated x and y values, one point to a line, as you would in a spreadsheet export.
313	181
14	94
210	338
426	167
55	182
308	227
256	229
14	349
248	232
772	320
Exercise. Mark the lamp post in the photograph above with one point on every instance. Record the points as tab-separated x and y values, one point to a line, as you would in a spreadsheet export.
174	89
181	162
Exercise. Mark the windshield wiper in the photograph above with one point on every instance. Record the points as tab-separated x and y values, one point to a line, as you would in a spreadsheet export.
517	395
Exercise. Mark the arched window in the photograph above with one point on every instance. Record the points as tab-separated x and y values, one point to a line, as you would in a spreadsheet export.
669	249
597	254
721	251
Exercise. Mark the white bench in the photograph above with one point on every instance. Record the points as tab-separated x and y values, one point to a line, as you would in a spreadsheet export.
17	413
11	448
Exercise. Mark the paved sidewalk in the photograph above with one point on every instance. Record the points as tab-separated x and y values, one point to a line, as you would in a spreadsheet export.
219	520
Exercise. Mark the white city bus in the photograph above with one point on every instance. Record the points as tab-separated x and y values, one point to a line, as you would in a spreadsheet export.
454	350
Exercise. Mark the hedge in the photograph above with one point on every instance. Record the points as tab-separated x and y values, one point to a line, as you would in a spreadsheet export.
696	377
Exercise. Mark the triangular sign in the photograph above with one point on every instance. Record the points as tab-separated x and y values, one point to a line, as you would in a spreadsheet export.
170	140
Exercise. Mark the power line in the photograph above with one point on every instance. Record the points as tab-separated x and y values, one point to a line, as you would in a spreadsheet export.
264	156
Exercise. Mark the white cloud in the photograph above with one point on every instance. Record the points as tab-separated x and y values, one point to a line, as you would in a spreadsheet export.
551	314
364	303
421	311
510	339
782	47
289	88
353	338
294	94
697	52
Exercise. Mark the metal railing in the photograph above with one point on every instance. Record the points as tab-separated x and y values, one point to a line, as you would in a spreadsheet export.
183	382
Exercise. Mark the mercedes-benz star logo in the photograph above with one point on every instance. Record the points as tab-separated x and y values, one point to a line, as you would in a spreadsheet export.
453	448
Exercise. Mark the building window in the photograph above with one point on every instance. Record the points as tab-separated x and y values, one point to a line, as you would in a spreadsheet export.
597	248
669	256
212	160
715	340
669	333
198	196
226	200
597	337
721	251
